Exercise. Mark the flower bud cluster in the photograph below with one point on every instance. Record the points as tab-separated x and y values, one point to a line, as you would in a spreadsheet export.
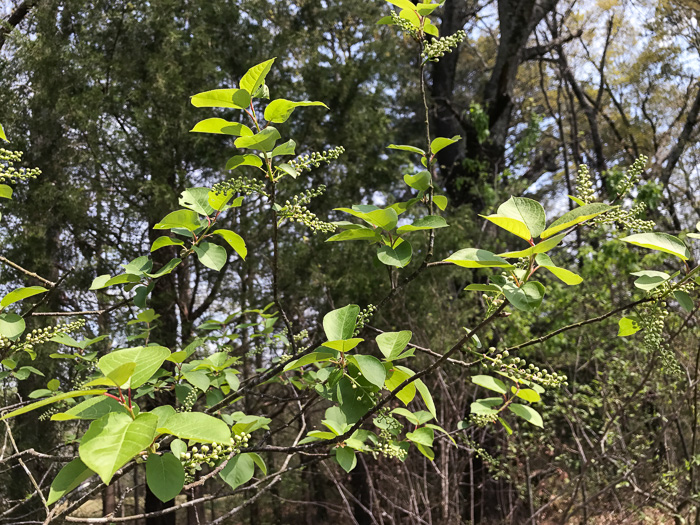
363	318
404	25
652	321
441	46
296	211
518	368
38	336
388	447
626	219
584	185
632	175
308	162
8	173
189	401
243	185
482	420
193	459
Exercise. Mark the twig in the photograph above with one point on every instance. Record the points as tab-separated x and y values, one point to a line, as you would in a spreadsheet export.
27	272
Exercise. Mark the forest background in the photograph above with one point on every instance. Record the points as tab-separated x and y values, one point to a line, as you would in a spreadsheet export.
97	95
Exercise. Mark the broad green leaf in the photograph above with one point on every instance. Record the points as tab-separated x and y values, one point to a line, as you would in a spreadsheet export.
123	278
427	397
430	222
178	447
422	436
313	357
567	276
117	377
684	300
263	141
343	345
628	326
11	325
526	298
382	218
187	219
2	134
522	217
577	200
5	191
490	383
420	181
113	440
21	293
53	385
259	462
483	288
371	368
220	201
139	266
235	241
650	279
280	110
91	408
286	168
662	242
441	143
198	378
166	268
476	258
222	127
486	406
162	242
426	9
527	394
529	414
165	476
440	201
148	360
391	344
340	323
404	147
222	98
431	29
403	4
287	148
356	234
211	255
255	76
541	247
576	216
68	478
399	256
51	400
197	200
238	471
243	160
197	426
345	456
396	376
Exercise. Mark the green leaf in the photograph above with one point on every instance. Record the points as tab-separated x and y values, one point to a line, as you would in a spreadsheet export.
526	298
628	326
222	127
427	397
2	134
576	216
11	325
235	241
440	201
476	258
284	149
340	323
426	9
238	471
343	345
198	378
197	426
541	247
356	234
263	141
313	357
21	293
286	168
345	456
385	219
165	476
148	360
483	288
431	222
371	368
220	201
399	256
91	408
166	268
527	394
431	28
243	160
259	462
422	436
255	76
222	98
567	276
196	199
662	242
5	191
519	216
441	143
280	110
650	279
404	147
163	241
68	478
391	344
529	414
485	406
420	181
491	383
396	376
51	400
187	219
684	300
113	440
211	255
